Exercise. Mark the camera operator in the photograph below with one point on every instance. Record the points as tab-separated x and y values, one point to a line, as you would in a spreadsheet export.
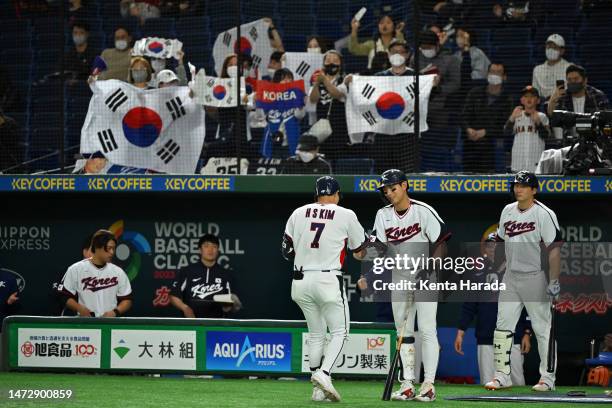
579	97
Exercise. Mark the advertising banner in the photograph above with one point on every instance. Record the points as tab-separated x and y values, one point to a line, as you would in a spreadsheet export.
66	348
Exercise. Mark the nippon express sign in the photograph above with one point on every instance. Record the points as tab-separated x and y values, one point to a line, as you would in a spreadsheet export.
248	351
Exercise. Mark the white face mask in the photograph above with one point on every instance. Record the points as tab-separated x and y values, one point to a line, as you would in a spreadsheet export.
158	65
314	50
552	54
232	71
397	60
79	39
121	45
429	53
271	72
306	157
494	79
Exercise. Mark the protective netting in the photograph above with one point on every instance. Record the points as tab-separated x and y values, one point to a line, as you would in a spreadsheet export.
354	113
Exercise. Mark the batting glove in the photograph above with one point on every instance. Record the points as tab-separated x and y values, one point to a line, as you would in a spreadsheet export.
554	288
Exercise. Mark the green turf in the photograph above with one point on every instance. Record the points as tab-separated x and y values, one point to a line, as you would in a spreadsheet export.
94	391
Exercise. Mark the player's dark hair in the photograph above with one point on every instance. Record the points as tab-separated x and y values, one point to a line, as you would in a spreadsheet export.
208	238
101	239
86	244
576	68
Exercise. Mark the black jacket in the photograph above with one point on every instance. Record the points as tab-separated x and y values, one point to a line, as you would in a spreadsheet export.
197	285
293	165
478	114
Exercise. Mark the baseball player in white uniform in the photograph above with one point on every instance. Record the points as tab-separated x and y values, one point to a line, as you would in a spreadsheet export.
524	226
95	287
316	238
410	227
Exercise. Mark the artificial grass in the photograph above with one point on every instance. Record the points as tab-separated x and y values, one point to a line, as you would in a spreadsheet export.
127	391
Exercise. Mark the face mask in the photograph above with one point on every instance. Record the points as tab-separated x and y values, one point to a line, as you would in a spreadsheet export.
429	53
306	157
121	45
574	87
271	72
139	76
494	79
332	69
397	60
232	71
314	50
552	54
79	39
158	65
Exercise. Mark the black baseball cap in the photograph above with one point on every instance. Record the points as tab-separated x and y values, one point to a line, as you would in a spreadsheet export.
530	89
307	143
428	37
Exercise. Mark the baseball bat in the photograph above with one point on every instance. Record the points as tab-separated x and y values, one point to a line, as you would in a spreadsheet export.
394	365
552	349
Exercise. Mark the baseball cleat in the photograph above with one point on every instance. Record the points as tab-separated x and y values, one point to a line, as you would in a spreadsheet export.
323	381
497	384
318	395
427	393
541	386
405	393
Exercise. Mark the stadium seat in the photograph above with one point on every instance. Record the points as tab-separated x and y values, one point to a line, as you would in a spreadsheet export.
354	64
18	72
186	25
41	120
15	27
195	39
299	25
332	29
16	55
511	36
265	8
353	166
110	25
295	43
45	139
330	9
159	27
295	8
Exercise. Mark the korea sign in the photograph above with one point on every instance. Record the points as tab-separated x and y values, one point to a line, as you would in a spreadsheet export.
362	354
153	349
65	348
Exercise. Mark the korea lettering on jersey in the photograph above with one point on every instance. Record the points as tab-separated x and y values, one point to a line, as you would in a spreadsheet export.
412	232
254	42
385	104
523	231
157	129
320	233
96	288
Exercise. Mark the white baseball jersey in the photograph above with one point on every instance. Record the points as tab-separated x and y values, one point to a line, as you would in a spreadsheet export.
523	232
528	145
98	289
411	232
320	233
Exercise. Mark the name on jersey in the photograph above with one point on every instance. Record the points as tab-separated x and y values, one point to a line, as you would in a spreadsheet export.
397	234
95	284
320	213
513	228
523	128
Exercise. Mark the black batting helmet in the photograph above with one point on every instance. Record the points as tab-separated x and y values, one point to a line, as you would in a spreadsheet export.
525	178
391	177
326	185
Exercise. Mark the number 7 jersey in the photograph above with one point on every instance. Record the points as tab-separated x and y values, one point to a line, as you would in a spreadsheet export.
320	233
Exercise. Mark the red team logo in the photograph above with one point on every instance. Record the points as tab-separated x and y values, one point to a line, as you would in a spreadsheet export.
397	234
513	228
27	349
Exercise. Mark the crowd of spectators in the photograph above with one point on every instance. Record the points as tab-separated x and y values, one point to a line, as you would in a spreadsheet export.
488	112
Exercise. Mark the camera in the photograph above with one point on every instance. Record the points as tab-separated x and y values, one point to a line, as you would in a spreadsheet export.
591	151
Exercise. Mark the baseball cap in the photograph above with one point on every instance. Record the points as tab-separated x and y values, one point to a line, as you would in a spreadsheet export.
166	76
396	41
557	40
307	143
530	89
